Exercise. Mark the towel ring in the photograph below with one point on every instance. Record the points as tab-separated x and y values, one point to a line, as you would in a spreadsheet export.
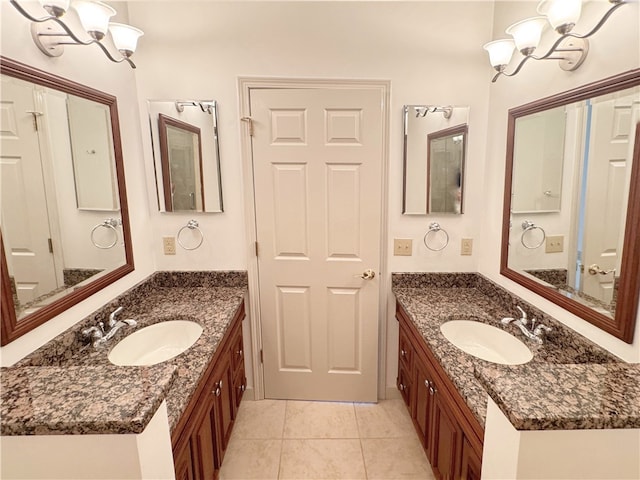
110	223
435	227
191	225
528	226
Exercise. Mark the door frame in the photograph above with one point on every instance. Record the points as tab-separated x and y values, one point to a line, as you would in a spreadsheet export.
245	85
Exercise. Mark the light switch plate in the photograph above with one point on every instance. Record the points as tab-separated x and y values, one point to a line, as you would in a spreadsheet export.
169	245
466	246
402	247
554	244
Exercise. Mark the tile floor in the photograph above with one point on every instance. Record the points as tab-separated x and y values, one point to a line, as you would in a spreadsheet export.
279	439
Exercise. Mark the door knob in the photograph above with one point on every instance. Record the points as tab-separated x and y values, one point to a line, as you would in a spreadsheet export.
368	274
595	269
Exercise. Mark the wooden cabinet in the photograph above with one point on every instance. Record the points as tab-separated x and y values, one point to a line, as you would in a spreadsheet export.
201	437
450	434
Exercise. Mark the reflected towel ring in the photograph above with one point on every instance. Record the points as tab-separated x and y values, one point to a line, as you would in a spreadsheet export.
191	225
110	223
434	227
528	226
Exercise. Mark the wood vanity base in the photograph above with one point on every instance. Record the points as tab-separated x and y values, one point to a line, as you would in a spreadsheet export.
201	436
451	435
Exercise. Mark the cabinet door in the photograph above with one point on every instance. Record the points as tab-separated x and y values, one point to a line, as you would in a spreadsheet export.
203	448
447	439
403	382
471	468
423	408
183	462
222	411
405	349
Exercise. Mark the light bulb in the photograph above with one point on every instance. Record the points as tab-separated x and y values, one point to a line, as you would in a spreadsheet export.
562	14
526	33
125	37
94	17
57	8
500	53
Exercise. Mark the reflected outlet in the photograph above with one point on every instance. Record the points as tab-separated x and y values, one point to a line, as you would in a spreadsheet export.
554	244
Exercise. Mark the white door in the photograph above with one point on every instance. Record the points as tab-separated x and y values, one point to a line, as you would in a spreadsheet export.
25	221
609	159
317	156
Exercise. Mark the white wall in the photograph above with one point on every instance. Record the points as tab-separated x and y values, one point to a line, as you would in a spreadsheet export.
430	51
87	65
614	49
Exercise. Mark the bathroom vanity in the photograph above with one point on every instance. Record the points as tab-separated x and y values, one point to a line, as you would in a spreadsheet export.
534	420
67	404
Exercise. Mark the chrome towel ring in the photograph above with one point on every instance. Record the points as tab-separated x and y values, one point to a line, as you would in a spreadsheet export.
434	228
528	226
109	223
191	225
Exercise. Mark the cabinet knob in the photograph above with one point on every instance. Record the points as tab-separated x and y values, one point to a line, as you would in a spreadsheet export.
403	353
242	388
220	384
401	387
427	383
239	352
217	392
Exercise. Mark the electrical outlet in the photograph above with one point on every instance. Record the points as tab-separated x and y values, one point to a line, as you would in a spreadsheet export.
169	245
554	244
402	246
466	246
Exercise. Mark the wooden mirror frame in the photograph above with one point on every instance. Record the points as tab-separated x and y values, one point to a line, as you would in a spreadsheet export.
463	130
623	325
165	121
11	328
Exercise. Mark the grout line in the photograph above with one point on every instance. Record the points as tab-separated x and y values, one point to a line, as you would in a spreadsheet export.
284	422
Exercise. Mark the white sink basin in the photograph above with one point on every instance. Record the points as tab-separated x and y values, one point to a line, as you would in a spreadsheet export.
486	342
156	343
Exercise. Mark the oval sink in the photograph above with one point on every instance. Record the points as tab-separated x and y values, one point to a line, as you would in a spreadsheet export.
156	343
486	342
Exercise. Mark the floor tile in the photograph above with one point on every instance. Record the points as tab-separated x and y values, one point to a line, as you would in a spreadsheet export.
321	459
397	459
320	420
251	459
386	419
260	419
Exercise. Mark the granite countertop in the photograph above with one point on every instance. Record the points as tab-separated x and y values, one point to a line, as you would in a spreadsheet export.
68	388
570	383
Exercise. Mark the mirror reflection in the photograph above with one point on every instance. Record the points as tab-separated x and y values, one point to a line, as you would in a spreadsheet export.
184	135
435	140
571	240
60	205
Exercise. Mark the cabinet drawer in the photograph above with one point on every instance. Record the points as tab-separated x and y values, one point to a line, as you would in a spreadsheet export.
405	350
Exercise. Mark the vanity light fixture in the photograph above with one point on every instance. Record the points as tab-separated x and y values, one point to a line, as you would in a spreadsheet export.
562	15
89	17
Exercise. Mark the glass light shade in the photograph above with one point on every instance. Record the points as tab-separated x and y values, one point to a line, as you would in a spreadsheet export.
526	33
55	7
500	52
125	37
562	14
94	17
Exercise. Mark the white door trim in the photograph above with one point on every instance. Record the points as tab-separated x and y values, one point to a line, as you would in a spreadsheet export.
245	84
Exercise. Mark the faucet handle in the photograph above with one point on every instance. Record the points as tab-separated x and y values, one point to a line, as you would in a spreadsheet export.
541	328
523	313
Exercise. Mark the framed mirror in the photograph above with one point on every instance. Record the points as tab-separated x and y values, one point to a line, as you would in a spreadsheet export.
572	206
64	221
434	154
184	135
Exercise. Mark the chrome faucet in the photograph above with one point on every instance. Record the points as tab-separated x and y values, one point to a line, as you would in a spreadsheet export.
98	335
534	332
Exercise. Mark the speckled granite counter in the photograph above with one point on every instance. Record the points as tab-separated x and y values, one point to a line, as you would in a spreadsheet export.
570	383
209	298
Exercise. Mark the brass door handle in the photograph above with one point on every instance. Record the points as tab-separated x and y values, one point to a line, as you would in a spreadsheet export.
368	274
595	270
